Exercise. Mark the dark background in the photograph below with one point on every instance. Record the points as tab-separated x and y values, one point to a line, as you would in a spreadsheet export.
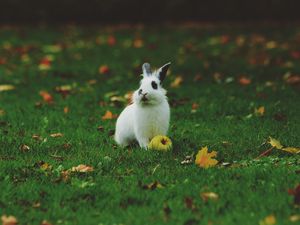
151	11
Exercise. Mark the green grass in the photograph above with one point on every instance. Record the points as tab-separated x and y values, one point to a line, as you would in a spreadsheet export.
248	189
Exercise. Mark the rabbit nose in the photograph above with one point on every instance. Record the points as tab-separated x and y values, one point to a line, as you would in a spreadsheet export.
140	91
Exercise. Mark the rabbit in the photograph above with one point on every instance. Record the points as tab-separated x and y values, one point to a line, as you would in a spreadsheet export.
149	113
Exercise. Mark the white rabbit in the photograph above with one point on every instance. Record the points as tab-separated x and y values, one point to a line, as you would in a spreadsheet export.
149	114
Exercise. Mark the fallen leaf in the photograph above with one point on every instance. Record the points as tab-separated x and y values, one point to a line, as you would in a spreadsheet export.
269	220
189	203
209	196
24	148
152	186
109	115
66	110
177	82
6	87
244	80
187	160
111	40
46	97
45	63
9	220
138	43
275	143
56	135
2	112
45	222
104	69
296	193
294	218
260	111
205	159
82	168
292	150
293	79
64	90
45	166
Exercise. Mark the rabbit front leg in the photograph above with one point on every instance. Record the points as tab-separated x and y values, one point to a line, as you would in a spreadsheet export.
143	142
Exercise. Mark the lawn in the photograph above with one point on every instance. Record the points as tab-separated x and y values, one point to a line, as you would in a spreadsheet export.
230	88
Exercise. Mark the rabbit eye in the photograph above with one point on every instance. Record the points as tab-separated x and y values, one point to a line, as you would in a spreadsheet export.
154	85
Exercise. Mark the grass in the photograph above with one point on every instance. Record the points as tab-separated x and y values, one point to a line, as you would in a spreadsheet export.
114	193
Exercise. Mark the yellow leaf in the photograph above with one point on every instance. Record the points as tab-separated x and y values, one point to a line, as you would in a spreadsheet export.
82	168
205	159
6	87
160	142
275	143
9	220
269	220
56	135
209	195
177	82
295	218
108	115
292	150
260	111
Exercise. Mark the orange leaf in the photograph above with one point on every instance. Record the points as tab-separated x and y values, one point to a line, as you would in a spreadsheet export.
46	97
260	111
205	159
108	115
103	69
177	82
82	168
138	43
244	80
9	220
66	110
111	41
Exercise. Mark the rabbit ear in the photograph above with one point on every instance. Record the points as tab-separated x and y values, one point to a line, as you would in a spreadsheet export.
146	69
162	71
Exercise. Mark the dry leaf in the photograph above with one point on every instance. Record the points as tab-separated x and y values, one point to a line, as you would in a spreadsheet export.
152	186
177	82
244	80
104	69
82	168
269	220
260	111
9	220
205	159
45	222
294	218
66	110
2	112
109	115
296	193
45	63
6	87
111	40
209	195
275	143
56	135
292	150
24	148
46	97
138	43
294	79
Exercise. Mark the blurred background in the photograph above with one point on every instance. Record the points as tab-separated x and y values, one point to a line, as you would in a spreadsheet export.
152	11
